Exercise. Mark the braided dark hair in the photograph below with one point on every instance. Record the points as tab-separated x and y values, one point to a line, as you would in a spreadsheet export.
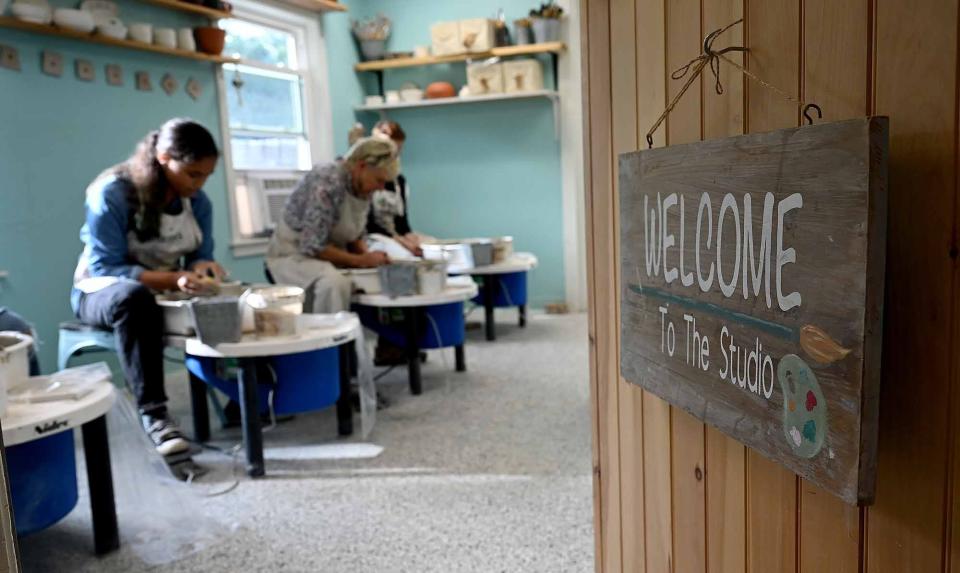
183	140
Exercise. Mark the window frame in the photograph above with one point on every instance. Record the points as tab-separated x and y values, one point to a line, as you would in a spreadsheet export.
317	112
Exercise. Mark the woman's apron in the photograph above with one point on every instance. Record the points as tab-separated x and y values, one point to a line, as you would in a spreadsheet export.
179	236
327	289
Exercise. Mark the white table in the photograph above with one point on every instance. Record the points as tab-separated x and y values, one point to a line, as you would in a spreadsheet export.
26	422
516	263
316	333
459	289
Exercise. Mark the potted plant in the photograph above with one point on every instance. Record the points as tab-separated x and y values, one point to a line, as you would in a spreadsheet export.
545	22
372	37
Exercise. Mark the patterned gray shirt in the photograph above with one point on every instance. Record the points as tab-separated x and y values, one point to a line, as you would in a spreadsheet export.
313	208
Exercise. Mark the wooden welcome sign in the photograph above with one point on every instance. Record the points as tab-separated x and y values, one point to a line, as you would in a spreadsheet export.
752	273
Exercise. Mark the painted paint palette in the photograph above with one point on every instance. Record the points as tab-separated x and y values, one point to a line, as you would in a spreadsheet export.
804	408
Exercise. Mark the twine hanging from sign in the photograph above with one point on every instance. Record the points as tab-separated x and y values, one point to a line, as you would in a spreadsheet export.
711	57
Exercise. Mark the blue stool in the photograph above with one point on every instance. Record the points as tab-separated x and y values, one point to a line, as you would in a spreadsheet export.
77	338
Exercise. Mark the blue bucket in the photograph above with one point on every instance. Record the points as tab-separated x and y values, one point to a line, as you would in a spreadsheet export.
43	481
306	381
448	318
512	291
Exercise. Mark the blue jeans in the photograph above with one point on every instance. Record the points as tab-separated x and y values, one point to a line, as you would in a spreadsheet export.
131	311
10	320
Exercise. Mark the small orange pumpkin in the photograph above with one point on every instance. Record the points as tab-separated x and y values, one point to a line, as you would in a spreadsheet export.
440	90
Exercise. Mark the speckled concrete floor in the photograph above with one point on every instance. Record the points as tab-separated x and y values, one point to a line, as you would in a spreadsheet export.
486	471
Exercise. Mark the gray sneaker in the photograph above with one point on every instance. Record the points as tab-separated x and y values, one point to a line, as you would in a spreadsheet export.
165	435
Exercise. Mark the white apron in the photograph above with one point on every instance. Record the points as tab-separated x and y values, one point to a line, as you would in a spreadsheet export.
179	236
328	290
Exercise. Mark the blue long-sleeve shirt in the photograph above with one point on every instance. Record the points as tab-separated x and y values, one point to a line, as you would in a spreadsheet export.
104	233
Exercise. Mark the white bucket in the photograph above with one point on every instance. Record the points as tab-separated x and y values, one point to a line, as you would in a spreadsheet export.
14	363
432	277
275	309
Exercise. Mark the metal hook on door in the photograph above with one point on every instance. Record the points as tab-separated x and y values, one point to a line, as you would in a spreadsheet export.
806	112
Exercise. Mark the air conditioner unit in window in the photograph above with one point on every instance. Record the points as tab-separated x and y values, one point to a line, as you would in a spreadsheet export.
266	195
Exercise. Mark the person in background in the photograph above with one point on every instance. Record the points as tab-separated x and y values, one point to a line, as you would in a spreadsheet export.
10	320
389	210
323	228
149	228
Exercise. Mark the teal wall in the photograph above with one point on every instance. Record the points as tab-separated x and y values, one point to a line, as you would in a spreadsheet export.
56	134
481	169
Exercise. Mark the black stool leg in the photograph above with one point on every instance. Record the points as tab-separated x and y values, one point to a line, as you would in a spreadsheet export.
412	316
461	358
96	450
344	407
490	285
201	413
522	309
250	417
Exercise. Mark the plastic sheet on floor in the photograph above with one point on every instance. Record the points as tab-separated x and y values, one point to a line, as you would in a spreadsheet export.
161	519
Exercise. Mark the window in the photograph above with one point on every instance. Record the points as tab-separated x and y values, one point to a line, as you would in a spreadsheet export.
276	113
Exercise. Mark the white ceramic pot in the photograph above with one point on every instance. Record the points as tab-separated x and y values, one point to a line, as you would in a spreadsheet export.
374	100
411	94
141	32
76	20
112	28
165	37
31	12
185	40
14	363
393	96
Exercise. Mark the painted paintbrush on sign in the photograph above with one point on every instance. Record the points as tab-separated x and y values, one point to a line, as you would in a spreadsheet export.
752	275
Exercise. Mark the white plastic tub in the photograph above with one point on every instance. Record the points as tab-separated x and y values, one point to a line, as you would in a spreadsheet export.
14	363
366	280
432	277
275	309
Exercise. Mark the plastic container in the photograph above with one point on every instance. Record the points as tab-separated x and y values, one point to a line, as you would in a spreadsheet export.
14	363
373	49
431	277
275	309
366	280
545	30
482	253
177	318
217	319
502	249
398	279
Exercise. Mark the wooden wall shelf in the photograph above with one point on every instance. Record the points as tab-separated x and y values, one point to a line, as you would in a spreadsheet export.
317	5
527	50
49	30
191	8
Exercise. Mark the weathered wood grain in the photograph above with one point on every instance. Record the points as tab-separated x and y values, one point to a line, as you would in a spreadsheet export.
824	434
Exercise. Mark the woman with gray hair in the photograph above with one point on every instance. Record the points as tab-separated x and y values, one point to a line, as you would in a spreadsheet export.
323	228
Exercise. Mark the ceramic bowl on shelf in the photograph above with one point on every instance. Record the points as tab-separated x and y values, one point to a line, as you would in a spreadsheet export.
103	11
210	40
112	28
76	20
141	32
411	94
31	13
185	40
165	37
